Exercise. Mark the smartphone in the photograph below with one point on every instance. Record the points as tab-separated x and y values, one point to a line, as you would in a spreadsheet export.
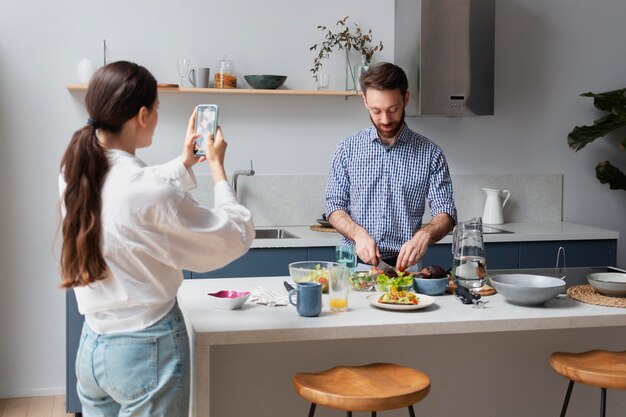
206	123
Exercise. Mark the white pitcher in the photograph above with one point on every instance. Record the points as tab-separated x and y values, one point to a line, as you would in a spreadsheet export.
493	206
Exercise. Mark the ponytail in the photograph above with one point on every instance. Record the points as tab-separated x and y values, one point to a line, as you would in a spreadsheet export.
115	94
84	167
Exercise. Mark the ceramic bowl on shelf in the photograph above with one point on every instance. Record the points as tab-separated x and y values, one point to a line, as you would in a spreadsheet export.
608	283
229	300
265	82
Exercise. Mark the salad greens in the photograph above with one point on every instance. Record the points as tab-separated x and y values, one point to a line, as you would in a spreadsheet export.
362	281
404	280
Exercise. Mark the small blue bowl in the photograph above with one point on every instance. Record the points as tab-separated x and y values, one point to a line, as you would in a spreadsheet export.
431	286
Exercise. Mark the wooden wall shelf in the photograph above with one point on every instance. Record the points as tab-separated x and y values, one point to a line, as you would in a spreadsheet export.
249	91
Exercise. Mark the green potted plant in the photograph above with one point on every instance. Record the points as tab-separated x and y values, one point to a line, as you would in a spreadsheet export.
613	102
348	39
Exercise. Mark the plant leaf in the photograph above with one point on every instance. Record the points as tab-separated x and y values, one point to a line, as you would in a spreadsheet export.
612	101
609	174
580	136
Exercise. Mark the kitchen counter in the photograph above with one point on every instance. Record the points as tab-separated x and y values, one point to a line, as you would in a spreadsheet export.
522	232
249	342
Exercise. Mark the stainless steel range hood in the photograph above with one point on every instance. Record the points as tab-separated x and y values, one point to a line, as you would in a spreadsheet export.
446	47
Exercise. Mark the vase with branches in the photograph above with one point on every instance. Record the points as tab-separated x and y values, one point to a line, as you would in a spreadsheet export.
348	38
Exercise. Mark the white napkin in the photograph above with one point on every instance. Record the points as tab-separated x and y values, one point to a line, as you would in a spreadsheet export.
268	297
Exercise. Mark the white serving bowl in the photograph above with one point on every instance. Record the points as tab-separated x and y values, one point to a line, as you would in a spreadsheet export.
526	289
608	283
229	300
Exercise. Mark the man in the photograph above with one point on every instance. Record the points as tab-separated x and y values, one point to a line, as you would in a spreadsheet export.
381	177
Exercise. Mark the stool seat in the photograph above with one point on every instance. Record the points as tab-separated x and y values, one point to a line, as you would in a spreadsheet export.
373	387
598	368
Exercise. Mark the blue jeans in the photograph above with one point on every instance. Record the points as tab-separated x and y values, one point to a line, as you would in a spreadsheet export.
140	373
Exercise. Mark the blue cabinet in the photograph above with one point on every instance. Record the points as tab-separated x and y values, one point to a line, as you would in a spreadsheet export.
267	262
577	253
499	255
73	325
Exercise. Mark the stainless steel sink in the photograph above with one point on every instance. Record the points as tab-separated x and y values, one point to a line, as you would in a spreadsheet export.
274	234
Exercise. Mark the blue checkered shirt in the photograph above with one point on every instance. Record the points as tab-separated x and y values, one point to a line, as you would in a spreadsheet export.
385	189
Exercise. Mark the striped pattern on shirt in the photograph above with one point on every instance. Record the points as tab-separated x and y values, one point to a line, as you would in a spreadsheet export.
384	189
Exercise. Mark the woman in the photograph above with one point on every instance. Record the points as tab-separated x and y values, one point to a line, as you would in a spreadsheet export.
128	231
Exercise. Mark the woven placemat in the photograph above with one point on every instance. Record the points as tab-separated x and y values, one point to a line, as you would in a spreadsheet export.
317	228
587	294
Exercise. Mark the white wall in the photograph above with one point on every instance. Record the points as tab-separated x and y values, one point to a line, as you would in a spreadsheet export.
547	52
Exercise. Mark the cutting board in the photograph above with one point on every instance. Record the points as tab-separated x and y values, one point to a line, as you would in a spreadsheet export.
484	291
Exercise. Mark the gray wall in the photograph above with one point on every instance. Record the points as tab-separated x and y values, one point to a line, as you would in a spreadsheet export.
547	52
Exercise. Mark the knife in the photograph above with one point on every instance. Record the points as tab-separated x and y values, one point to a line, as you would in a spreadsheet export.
387	269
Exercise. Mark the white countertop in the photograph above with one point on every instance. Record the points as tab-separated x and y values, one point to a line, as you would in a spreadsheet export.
258	323
228	357
522	232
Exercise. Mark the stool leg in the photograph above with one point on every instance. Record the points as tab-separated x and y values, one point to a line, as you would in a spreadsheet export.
567	395
603	402
411	412
312	410
373	413
349	413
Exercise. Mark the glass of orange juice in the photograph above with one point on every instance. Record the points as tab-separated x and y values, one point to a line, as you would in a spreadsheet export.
338	287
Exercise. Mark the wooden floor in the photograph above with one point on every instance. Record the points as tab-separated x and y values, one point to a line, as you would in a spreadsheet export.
33	407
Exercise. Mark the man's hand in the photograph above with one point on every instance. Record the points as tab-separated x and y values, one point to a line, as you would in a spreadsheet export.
414	250
366	248
365	245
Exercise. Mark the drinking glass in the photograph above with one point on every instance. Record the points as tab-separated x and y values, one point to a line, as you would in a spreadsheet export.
323	80
183	70
338	286
346	256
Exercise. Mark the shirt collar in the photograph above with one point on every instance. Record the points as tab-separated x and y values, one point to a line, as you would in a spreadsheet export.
119	156
403	136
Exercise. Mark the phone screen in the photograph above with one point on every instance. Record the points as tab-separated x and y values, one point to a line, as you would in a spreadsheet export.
206	123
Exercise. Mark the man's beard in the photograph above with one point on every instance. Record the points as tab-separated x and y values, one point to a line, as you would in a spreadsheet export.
390	134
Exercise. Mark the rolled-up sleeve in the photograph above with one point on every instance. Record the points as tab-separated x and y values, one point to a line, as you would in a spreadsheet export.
440	192
338	187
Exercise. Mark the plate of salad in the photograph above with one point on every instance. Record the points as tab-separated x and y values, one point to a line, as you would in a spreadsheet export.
402	300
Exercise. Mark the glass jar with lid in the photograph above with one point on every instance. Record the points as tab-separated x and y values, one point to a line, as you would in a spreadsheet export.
225	76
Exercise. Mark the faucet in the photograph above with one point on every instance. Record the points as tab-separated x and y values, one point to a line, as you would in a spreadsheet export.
246	172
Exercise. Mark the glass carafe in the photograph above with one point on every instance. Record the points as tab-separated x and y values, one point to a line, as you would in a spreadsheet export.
469	268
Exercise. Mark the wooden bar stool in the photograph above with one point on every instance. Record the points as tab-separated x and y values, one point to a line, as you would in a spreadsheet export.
374	387
598	368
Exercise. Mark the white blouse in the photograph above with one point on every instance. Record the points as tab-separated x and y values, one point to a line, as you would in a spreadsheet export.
152	230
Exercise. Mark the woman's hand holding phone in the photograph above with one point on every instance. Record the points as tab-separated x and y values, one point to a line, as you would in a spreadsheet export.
215	150
189	156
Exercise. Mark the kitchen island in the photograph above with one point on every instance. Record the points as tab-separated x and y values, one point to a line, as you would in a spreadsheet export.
482	362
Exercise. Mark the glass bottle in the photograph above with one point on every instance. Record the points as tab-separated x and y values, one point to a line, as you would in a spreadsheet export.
225	76
359	69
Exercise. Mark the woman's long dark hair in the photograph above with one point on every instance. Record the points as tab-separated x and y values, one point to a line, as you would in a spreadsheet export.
115	94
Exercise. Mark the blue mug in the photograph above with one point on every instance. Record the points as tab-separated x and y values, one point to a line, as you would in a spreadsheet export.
308	298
